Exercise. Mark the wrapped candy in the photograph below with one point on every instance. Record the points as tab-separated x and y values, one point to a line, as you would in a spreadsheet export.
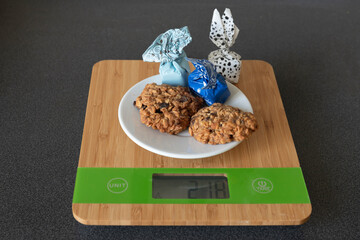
168	50
207	83
223	33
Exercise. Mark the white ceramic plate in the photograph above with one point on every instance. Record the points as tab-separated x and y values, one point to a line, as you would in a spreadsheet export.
175	146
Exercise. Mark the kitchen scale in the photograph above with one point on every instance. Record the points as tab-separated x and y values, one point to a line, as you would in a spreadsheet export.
259	182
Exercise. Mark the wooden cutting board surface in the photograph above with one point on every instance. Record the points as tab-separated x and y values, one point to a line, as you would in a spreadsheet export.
104	144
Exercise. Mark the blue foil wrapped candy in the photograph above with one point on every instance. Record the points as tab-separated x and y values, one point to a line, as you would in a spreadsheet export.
168	50
207	83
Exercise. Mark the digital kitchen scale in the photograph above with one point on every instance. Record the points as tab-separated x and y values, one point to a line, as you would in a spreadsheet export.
259	182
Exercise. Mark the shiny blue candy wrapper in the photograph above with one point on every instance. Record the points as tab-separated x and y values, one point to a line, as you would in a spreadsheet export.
168	50
207	83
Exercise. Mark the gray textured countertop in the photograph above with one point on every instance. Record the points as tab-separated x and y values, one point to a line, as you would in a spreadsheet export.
47	52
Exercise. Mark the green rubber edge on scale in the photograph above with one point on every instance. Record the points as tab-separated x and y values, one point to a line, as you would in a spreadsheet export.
286	185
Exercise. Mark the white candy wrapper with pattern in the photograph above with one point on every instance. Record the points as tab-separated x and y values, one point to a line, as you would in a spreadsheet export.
223	33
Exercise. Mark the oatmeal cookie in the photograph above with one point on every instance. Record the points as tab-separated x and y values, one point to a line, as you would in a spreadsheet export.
219	124
167	108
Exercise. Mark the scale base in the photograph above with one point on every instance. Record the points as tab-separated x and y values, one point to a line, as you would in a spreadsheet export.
105	145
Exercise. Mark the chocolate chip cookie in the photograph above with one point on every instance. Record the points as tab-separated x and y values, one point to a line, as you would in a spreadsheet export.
219	124
167	108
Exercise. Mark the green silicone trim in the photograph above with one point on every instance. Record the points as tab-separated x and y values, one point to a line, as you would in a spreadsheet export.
286	185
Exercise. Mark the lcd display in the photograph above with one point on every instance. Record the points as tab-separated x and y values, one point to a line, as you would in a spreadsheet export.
189	187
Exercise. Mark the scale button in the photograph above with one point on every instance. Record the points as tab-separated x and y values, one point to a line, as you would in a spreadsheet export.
117	185
262	185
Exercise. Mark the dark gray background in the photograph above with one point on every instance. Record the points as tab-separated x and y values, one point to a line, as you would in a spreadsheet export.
47	50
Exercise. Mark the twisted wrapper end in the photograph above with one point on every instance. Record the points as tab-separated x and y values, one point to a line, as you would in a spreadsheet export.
168	46
223	31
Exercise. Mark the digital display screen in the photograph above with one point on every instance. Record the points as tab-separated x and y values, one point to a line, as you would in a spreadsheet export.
167	186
